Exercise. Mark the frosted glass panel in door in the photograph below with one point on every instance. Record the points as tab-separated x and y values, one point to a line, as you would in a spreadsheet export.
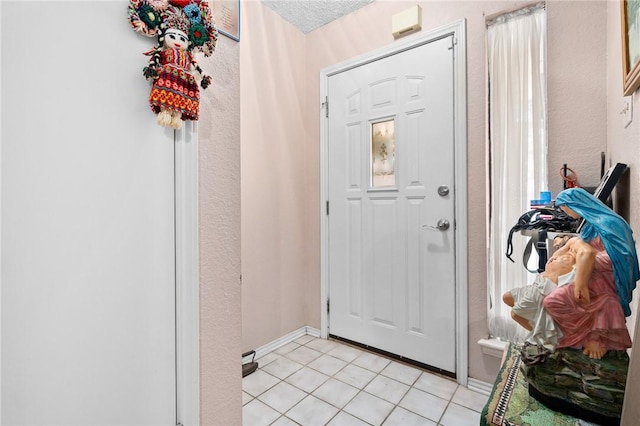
383	154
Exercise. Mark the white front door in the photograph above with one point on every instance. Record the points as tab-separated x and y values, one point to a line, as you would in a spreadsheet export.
88	250
391	182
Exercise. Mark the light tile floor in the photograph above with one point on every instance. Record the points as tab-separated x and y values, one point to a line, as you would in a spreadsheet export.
324	382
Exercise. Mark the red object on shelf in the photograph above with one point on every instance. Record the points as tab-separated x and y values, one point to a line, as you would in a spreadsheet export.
570	177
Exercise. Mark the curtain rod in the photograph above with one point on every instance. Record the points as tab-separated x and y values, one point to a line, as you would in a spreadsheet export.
513	13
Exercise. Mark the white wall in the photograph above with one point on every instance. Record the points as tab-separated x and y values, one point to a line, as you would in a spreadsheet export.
219	212
623	146
88	265
577	72
273	186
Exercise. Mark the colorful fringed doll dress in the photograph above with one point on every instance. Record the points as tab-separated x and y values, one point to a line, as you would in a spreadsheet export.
176	88
183	28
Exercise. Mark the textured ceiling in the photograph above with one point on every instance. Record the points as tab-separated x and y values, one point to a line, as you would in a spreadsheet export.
308	15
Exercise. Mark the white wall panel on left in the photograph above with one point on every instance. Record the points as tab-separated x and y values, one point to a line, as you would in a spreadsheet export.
88	250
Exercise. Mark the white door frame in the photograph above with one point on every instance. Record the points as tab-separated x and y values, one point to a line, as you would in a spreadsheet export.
187	276
458	31
187	279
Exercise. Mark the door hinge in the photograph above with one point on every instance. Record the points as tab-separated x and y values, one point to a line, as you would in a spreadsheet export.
325	105
328	306
454	41
327	207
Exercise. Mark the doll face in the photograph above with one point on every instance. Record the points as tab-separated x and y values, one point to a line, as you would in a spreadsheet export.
176	38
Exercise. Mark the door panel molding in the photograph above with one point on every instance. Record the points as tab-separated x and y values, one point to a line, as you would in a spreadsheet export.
458	31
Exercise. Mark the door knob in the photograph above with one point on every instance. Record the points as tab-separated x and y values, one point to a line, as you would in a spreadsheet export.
443	191
442	225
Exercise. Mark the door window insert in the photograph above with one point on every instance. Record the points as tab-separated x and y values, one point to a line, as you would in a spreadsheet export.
383	154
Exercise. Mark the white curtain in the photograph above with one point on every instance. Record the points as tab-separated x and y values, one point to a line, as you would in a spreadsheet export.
516	51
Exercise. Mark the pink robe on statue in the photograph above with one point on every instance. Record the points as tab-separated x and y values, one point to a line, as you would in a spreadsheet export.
602	319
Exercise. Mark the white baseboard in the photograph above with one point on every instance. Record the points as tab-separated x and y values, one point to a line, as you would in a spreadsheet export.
286	339
314	332
472	384
479	386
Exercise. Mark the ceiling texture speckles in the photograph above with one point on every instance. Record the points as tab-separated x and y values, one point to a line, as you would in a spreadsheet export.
308	15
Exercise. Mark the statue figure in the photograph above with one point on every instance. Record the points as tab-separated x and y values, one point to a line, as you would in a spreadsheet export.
526	301
583	296
591	311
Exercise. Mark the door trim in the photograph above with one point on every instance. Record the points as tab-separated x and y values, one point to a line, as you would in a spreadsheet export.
458	31
187	276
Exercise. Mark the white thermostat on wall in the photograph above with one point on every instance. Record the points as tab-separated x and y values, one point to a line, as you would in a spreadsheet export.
406	22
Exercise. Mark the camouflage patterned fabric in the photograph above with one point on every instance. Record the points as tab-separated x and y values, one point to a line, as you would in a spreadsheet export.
572	382
510	403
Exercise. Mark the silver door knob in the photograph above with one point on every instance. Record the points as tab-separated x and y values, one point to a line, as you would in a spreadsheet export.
442	225
443	190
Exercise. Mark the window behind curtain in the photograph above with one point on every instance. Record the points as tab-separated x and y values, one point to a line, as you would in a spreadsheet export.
516	60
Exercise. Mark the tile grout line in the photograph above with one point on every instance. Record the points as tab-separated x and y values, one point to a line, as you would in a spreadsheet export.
307	393
396	405
333	376
340	410
376	374
359	390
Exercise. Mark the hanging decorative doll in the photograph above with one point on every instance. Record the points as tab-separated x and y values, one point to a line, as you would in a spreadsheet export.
183	28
